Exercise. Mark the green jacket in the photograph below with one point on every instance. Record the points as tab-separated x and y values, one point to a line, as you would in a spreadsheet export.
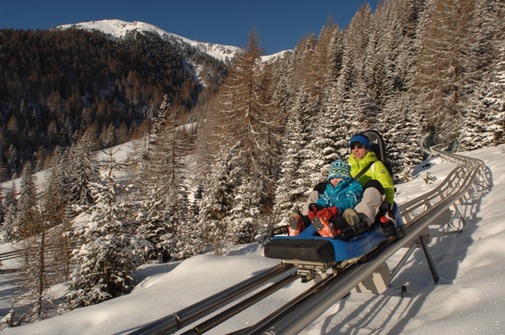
377	171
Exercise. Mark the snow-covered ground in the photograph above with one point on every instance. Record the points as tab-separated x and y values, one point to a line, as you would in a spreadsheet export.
468	299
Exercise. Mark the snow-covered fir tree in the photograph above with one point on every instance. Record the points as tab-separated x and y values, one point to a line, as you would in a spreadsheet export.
10	230
412	68
305	108
81	172
166	213
105	258
217	203
485	118
291	190
57	212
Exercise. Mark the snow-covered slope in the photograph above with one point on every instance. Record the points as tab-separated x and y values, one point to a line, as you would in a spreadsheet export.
469	299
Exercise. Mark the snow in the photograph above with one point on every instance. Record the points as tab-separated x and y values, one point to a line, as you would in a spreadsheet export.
468	299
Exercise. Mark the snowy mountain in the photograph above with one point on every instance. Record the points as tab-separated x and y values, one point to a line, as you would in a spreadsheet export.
119	29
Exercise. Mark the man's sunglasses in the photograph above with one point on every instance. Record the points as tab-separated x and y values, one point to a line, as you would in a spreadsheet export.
357	146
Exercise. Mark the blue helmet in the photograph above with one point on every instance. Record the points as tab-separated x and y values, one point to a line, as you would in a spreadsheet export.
359	138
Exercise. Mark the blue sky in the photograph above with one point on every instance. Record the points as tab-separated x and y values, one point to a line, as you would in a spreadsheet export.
280	24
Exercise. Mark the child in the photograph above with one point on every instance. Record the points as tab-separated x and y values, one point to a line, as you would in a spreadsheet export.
341	192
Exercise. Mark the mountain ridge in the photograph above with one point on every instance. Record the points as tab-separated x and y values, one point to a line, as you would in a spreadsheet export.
119	29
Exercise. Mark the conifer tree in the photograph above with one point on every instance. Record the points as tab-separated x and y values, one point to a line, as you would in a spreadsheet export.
328	125
306	108
55	202
104	261
292	187
393	37
217	203
27	219
247	124
2	207
302	60
485	118
164	193
56	193
39	271
359	103
442	68
10	229
34	272
81	172
333	69
3	168
243	221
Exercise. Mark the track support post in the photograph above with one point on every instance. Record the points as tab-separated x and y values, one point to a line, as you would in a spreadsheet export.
432	266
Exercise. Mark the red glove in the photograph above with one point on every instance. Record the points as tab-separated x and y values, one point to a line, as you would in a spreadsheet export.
325	213
334	210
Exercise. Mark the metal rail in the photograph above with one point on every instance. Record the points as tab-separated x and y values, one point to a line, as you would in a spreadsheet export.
10	255
199	310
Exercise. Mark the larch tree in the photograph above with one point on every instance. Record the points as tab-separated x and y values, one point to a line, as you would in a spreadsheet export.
249	126
302	60
333	68
439	86
27	219
36	273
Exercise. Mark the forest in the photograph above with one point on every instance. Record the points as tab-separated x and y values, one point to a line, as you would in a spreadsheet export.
220	168
57	85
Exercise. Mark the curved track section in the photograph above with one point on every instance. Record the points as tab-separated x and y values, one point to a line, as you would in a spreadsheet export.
417	214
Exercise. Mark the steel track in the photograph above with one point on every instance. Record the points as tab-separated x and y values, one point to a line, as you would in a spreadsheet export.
198	311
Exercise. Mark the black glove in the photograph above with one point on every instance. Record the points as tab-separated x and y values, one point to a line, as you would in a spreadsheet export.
315	207
320	187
